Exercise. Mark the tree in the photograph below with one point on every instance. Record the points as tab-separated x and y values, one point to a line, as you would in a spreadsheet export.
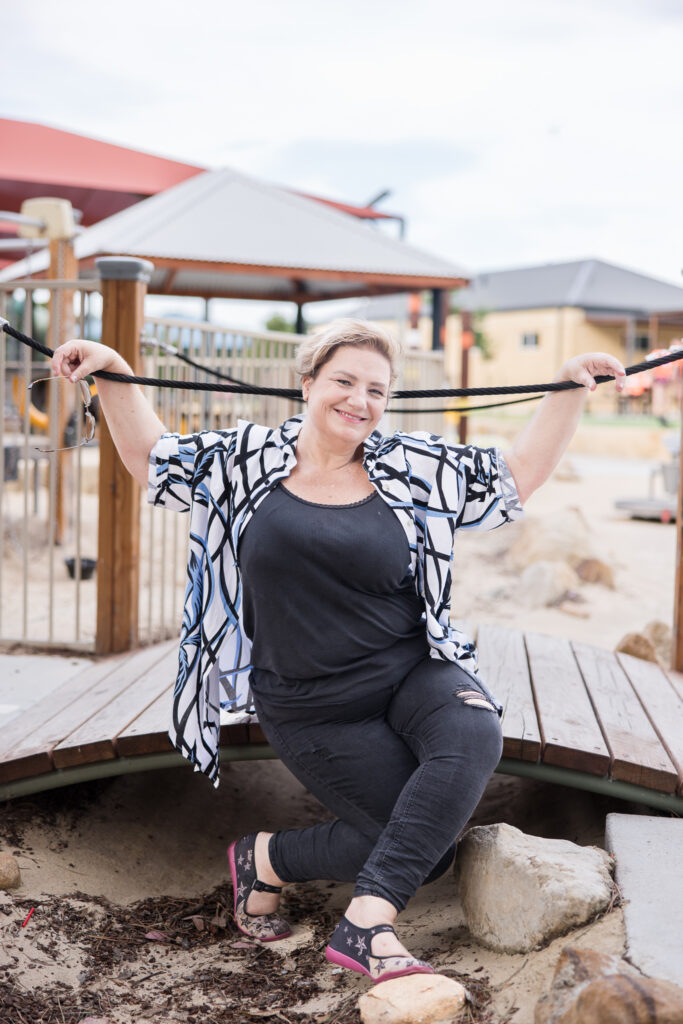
277	322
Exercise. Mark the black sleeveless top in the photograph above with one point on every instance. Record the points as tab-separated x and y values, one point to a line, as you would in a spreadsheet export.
327	590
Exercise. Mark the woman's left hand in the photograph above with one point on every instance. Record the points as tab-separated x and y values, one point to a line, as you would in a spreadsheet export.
585	368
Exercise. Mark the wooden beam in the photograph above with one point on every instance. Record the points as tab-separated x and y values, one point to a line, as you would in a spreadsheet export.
466	342
124	284
278	296
400	282
167	286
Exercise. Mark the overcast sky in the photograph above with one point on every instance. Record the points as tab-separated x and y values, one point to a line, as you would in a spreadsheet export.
509	133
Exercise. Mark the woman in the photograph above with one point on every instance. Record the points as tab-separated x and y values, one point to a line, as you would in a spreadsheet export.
319	573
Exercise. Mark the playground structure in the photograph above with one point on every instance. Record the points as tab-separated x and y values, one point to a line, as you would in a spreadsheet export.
576	715
56	509
661	501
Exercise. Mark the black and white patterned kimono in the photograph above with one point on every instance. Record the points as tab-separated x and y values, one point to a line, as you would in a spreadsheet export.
221	477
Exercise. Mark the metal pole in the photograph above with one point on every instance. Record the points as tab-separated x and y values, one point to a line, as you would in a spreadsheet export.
437	318
262	751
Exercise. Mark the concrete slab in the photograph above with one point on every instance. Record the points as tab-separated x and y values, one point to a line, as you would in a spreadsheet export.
649	873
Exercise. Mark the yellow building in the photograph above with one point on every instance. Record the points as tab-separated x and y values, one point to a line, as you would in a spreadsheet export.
529	320
532	319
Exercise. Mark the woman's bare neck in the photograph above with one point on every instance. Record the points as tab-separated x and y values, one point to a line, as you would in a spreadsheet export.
315	453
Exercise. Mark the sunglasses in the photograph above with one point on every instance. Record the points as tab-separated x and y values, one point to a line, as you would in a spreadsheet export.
89	417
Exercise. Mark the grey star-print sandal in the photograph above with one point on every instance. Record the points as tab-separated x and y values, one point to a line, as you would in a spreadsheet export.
350	947
265	927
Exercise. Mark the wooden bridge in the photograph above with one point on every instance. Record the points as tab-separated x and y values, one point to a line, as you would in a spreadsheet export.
574	714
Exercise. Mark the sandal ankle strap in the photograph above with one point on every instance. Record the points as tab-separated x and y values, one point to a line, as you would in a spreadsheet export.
375	930
260	886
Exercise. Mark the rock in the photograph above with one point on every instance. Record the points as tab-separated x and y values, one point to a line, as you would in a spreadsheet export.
545	583
637	645
10	876
423	998
594	988
520	891
566	471
661	637
563	537
569	607
592	570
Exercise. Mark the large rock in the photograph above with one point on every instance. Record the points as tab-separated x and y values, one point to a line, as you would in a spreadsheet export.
565	536
546	583
661	637
520	891
415	999
638	646
594	570
10	876
594	988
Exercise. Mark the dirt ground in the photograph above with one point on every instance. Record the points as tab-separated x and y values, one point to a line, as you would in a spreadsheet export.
129	880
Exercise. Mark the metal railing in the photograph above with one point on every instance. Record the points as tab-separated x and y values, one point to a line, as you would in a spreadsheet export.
421	370
49	507
256	357
48	501
263	358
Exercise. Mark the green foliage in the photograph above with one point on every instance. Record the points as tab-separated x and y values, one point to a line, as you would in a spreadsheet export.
280	323
481	340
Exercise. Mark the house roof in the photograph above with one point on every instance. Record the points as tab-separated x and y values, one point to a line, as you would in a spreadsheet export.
225	234
593	285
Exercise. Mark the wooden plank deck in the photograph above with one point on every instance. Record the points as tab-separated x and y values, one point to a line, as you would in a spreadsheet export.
573	714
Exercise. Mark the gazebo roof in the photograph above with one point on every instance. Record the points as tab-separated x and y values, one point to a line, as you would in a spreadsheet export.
98	178
224	234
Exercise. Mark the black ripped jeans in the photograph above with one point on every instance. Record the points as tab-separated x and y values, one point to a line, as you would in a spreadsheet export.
403	769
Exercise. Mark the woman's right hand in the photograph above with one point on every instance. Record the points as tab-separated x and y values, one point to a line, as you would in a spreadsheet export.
133	425
77	359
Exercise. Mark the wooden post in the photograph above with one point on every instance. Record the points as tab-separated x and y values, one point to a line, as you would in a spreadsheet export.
466	342
124	286
63	267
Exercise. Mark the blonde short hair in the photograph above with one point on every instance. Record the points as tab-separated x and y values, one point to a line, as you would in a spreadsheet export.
319	347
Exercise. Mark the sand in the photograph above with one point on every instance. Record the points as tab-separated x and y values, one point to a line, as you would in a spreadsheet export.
107	863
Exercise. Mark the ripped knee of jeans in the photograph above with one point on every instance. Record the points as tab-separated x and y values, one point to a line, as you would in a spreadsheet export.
475	699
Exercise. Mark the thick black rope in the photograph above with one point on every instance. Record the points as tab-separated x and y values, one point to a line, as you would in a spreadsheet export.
291	393
465	408
172	350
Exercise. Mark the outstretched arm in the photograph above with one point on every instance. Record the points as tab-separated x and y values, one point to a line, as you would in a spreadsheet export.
541	444
134	426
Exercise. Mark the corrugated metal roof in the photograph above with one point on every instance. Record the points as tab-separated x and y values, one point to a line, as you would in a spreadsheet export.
225	217
588	284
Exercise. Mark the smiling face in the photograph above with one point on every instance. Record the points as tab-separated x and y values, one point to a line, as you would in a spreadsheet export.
348	395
